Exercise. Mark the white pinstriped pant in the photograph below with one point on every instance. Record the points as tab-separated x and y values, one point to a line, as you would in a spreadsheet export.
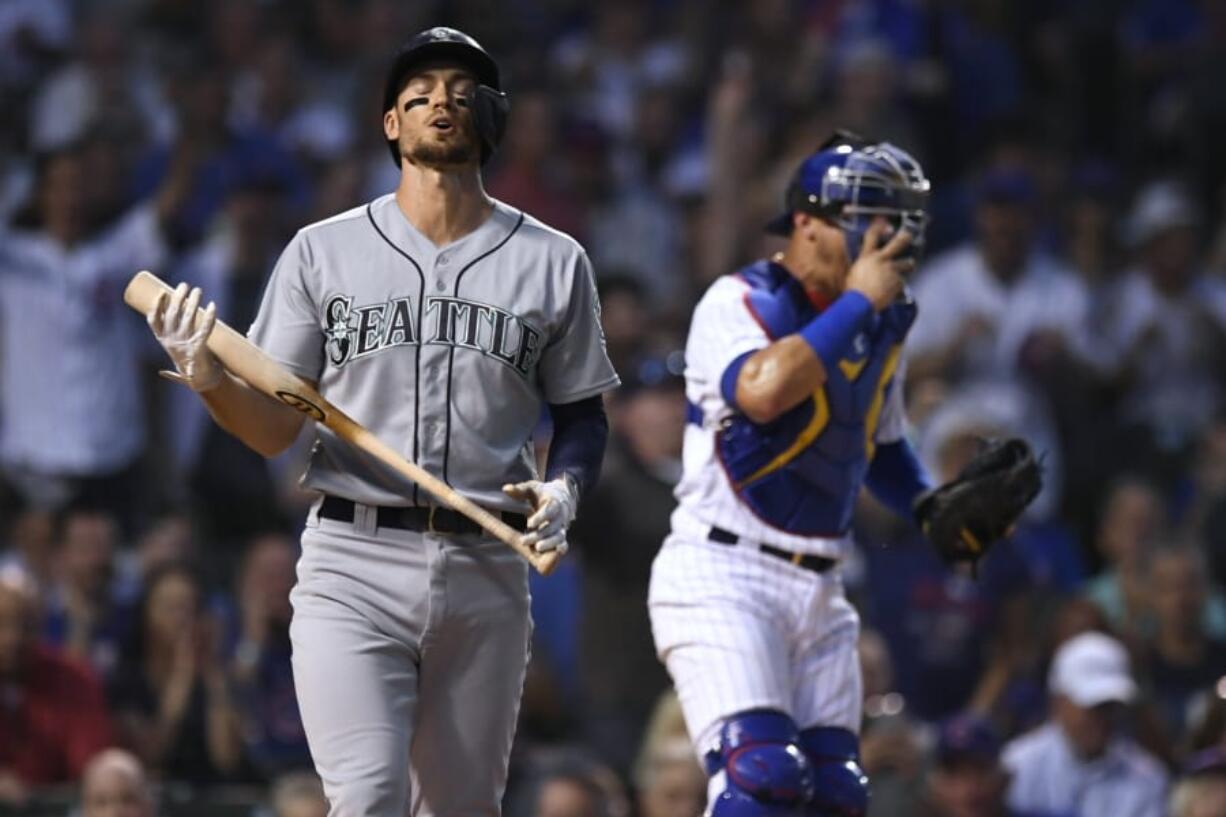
739	629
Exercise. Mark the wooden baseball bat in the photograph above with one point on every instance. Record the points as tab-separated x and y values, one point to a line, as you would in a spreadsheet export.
258	370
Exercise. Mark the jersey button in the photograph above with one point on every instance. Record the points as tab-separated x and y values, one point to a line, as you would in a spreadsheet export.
440	286
444	259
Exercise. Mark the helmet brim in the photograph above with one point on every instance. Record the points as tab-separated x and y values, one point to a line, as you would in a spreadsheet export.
780	225
481	65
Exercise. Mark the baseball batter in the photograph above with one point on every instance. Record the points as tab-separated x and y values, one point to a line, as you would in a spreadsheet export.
443	321
793	378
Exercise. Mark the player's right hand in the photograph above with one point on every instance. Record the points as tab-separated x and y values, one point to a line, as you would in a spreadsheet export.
554	504
878	271
184	336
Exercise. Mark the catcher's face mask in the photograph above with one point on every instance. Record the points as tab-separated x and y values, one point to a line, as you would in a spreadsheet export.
849	183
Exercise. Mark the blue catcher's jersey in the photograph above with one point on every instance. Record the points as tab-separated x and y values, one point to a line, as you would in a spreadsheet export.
796	477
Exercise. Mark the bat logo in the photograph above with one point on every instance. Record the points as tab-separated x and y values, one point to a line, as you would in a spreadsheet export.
302	404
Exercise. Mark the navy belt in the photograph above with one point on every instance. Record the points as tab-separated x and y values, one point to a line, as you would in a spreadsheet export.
809	561
431	519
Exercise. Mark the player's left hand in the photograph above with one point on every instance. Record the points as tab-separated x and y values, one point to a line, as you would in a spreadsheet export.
554	504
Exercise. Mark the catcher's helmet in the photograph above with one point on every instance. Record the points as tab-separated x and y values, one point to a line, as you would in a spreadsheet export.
849	181
489	104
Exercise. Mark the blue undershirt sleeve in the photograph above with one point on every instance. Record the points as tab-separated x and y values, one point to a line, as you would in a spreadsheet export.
896	477
580	431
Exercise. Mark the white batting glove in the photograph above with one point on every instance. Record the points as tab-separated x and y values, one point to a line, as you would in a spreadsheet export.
174	323
555	503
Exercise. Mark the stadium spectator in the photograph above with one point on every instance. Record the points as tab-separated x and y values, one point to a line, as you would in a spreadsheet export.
1168	322
569	795
115	785
998	305
1132	516
84	612
1180	658
528	175
220	155
100	91
171	696
29	544
668	780
273	97
1080	761
891	739
966	778
262	674
53	716
74	423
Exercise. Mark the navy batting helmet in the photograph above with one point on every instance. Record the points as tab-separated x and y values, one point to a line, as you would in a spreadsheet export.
489	105
849	181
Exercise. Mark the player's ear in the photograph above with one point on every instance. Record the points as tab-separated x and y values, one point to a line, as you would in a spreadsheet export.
391	124
804	225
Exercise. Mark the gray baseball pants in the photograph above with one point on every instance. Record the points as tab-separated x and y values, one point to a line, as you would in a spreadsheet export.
409	654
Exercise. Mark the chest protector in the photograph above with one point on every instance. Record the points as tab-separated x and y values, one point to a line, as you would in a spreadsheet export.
801	472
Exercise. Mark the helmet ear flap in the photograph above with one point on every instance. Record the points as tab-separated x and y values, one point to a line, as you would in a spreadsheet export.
490	108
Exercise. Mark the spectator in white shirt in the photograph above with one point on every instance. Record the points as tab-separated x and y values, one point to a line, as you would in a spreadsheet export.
997	304
1167	327
1080	762
72	423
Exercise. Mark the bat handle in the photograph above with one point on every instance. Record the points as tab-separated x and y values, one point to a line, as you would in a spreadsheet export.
545	562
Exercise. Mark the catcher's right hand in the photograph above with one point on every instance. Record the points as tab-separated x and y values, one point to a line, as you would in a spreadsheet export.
175	324
965	516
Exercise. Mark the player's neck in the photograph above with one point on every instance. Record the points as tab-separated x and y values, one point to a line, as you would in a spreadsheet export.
816	280
444	206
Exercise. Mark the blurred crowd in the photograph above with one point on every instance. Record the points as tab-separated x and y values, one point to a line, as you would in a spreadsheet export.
1073	291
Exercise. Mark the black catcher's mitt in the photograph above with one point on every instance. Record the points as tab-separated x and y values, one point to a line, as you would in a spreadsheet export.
963	518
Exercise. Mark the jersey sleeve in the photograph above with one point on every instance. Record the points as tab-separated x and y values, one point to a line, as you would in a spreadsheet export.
575	364
287	325
724	328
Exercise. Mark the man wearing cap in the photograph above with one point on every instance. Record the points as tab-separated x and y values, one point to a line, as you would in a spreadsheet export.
967	778
1080	762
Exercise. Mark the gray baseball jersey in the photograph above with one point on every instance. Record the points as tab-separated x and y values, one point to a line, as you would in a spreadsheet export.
445	353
